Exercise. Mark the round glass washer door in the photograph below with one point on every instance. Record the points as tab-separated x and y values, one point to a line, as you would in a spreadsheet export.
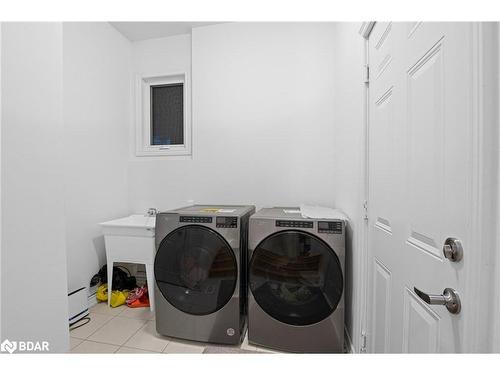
196	270
295	277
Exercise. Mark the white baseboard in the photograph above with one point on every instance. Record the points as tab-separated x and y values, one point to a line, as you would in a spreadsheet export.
348	342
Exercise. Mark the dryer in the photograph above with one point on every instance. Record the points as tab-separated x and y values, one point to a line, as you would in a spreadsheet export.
200	273
296	282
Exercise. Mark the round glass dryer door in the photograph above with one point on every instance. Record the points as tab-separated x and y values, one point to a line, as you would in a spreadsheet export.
295	277
195	270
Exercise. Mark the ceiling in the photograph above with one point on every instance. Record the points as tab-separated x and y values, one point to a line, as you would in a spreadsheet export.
135	31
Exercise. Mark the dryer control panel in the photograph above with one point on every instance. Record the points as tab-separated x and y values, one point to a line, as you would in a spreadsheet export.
294	224
195	219
226	222
334	227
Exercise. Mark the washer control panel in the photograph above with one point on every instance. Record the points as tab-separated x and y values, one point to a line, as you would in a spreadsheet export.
195	219
226	222
294	224
334	227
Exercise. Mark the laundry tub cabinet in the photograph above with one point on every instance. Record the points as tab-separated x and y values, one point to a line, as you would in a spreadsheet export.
131	239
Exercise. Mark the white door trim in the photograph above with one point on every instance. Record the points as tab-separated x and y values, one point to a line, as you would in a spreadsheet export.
478	333
478	336
365	30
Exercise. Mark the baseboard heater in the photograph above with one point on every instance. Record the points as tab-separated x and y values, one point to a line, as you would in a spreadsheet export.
78	305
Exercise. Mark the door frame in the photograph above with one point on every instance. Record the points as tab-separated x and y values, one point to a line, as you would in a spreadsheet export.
478	335
484	144
363	294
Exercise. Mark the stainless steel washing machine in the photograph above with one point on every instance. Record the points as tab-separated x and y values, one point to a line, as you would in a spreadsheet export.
296	282
200	273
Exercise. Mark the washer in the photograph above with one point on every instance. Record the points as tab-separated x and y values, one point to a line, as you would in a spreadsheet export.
296	282
200	273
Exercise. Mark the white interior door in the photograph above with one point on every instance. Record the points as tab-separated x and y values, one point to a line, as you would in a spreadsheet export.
419	158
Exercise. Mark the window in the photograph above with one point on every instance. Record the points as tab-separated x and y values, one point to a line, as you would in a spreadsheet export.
163	121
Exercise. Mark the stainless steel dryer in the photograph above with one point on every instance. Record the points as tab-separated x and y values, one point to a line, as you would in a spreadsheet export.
200	273
296	299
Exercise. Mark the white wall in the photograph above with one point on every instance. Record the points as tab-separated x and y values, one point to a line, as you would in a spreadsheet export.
34	294
96	124
348	155
158	57
262	117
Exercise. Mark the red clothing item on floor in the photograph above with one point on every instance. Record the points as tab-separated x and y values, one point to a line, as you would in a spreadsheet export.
141	302
138	297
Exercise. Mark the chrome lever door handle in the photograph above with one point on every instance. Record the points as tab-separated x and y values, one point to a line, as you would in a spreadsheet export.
449	298
431	299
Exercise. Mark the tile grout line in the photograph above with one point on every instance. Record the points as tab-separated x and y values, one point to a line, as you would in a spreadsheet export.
144	350
77	345
132	335
153	351
145	323
85	338
99	342
111	318
181	342
98	327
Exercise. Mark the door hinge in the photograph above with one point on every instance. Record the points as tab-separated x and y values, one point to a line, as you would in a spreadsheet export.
365	210
367	74
363	342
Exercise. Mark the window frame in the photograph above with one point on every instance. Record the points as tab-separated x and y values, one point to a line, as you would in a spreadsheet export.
143	115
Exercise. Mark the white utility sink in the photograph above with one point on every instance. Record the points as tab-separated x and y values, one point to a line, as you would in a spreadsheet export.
131	240
133	225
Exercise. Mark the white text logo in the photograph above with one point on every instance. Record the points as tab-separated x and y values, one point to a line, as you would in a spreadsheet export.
8	346
24	346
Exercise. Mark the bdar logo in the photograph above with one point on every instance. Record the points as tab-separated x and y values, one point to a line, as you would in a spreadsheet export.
8	346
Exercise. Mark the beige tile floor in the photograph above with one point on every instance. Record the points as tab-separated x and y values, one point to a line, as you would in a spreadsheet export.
127	330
